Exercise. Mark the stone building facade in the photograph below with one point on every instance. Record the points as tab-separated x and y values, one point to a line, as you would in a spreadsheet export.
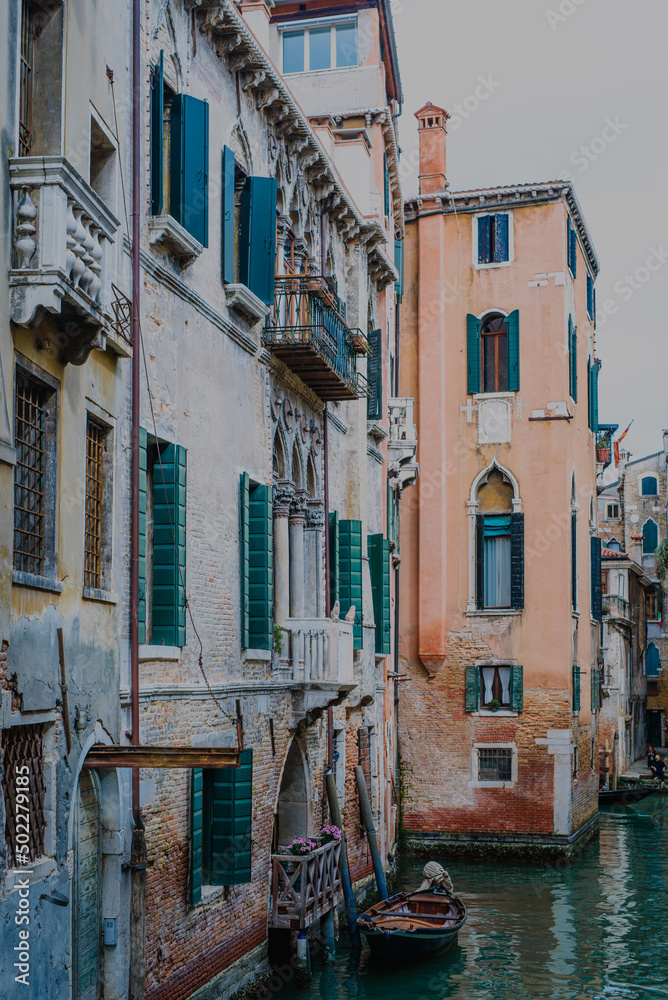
270	442
500	629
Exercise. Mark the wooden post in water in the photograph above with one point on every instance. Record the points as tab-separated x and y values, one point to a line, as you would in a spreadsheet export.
367	817
351	909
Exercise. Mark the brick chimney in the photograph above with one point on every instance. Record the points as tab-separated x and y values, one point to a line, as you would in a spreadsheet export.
431	135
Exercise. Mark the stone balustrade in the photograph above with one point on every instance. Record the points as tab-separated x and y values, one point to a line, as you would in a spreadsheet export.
317	660
402	442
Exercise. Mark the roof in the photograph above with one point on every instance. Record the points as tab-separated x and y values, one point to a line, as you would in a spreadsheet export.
637	461
612	489
613	554
429	107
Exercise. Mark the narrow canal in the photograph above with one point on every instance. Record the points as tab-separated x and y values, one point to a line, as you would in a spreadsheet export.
595	930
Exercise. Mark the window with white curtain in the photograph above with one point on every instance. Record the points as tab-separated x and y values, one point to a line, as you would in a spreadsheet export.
497	562
495	685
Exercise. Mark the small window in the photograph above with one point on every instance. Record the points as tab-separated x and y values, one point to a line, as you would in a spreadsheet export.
321	47
650	537
653	610
605	580
649	486
495	764
23	790
293	52
572	249
494	335
652	661
495	686
493	237
97	531
613	544
612	512
593	753
590	296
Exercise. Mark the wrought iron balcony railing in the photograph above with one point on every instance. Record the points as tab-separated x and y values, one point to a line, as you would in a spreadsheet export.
309	334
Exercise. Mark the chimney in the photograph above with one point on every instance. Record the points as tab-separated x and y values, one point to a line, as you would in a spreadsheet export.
431	135
623	459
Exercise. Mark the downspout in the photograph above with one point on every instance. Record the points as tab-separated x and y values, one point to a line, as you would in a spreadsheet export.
138	856
325	479
397	314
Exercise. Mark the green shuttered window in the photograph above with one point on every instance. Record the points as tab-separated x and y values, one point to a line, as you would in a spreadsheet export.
169	547
379	564
592	386
333	557
189	168
576	688
506	367
374	406
143	468
572	359
257	239
392	519
504	683
572	249
221	823
227	222
350	574
595	689
500	561
257	565
513	324
399	264
472	354
596	581
157	115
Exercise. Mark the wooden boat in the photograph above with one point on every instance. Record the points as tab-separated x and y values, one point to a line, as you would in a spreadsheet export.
410	926
626	796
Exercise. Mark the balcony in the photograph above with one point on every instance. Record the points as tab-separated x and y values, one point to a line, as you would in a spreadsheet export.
63	255
308	332
617	607
304	889
402	442
317	661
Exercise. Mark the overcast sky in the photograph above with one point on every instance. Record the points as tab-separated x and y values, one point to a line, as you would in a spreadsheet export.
555	77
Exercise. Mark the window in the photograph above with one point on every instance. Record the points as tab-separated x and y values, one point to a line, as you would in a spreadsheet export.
495	764
575	761
653	609
572	360
495	683
590	296
27	69
374	404
496	562
399	264
23	790
596	580
595	702
162	542
34	476
572	248
613	544
612	512
605	581
97	547
257	564
650	537
379	564
493	353
325	46
592	393
492	234
574	560
221	807
576	688
652	661
649	486
350	574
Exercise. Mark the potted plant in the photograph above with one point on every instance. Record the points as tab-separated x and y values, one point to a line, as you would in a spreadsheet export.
299	846
331	833
494	705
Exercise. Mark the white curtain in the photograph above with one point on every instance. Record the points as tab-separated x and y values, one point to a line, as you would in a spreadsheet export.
496	561
488	679
504	677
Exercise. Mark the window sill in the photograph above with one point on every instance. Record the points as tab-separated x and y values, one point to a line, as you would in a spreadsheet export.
147	653
492	784
243	301
504	713
21	579
508	394
494	613
104	596
494	264
258	655
165	230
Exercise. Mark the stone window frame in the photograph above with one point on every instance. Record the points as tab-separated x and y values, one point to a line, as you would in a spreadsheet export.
474	240
641	479
494	745
608	515
472	505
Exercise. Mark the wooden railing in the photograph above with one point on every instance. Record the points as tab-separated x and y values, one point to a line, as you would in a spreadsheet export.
304	889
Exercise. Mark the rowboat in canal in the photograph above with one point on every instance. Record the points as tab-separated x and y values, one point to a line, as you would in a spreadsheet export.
411	926
627	796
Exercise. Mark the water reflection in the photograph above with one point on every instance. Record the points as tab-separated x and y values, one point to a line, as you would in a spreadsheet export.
589	931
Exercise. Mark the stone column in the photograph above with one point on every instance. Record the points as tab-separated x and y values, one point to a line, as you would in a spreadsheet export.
471	510
297	565
283	496
313	559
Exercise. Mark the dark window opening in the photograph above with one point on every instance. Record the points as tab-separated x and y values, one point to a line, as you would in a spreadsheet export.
27	78
653	610
493	242
495	686
30	485
494	335
649	486
495	764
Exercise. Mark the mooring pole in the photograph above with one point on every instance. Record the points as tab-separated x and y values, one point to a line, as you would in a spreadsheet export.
351	908
365	807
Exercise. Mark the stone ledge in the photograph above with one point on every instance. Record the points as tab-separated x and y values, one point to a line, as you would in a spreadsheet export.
499	845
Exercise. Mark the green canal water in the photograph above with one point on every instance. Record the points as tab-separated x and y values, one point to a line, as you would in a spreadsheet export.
596	929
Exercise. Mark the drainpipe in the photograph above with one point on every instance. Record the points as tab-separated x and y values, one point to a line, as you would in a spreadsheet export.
397	328
325	480
138	851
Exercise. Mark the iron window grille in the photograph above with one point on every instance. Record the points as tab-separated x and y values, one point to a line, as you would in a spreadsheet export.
495	764
26	81
23	790
30	476
95	435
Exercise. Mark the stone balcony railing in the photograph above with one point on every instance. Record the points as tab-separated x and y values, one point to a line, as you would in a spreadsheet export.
617	607
64	243
317	660
402	442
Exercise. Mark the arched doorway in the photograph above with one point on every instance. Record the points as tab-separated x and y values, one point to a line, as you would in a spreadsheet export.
292	810
87	888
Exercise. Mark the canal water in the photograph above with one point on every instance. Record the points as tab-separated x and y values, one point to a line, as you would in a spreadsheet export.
596	929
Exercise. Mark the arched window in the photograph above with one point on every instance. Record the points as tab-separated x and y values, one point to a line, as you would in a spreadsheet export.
650	537
613	544
494	336
652	661
649	486
494	542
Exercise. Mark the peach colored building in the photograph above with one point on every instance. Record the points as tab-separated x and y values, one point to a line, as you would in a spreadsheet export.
501	603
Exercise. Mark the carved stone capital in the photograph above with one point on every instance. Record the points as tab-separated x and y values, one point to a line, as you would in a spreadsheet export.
315	514
284	493
298	507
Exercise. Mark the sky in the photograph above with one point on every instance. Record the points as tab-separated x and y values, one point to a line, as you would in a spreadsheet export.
573	89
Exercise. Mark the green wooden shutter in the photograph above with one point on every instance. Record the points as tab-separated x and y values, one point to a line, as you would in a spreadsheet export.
196	831
590	296
169	547
333	557
257	239
374	403
594	688
189	175
593	396
513	325
143	469
260	568
472	354
479	559
379	564
350	574
399	264
573	359
472	689
227	224
231	821
157	114
576	688
386	185
244	508
517	688
596	581
517	560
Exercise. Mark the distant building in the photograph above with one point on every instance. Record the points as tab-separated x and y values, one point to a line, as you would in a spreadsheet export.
501	621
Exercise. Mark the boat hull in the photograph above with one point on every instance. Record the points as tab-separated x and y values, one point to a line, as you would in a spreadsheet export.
627	796
410	927
412	946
